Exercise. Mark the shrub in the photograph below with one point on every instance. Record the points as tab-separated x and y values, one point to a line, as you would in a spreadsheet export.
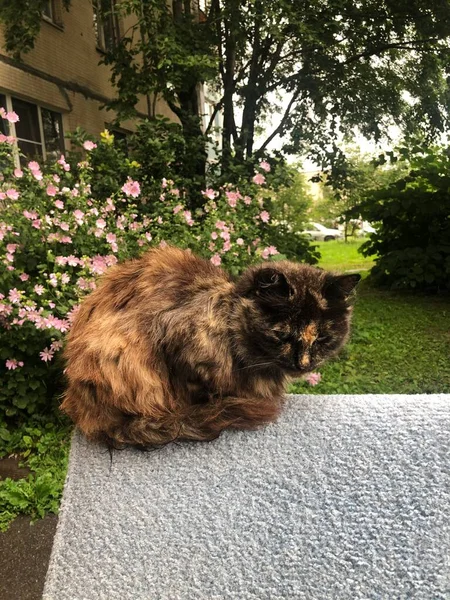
57	237
412	217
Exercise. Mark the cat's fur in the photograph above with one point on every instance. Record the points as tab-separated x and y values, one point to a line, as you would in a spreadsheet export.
169	347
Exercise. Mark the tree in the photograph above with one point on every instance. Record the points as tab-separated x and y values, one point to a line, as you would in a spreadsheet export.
412	217
325	66
347	183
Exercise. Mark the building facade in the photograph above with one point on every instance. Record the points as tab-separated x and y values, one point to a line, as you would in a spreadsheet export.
60	85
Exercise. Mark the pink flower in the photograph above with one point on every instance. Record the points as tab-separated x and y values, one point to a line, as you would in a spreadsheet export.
62	162
9	139
247	200
52	190
30	215
12	194
265	254
72	261
61	260
259	179
160	221
78	214
226	246
188	216
220	224
177	208
14	296
212	246
164	182
148	236
56	178
12	364
46	355
39	289
24	277
110	238
11	247
100	223
313	378
214	235
131	188
55	346
12	117
225	235
265	166
272	250
18	173
65	278
216	260
264	216
34	166
88	145
232	198
210	193
240	242
66	239
64	226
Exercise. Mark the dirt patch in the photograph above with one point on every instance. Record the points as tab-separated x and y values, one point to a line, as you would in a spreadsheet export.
9	467
24	557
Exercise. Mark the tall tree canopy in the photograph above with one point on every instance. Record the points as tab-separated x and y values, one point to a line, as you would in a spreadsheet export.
325	66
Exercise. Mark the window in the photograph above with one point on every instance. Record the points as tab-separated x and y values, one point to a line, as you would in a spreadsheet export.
106	24
48	10
52	11
39	131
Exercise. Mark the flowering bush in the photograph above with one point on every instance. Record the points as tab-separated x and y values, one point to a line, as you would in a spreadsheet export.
56	238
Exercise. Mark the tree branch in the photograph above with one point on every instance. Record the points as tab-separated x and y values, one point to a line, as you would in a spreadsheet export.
217	107
279	128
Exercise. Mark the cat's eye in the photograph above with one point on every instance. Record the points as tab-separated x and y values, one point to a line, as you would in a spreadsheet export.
283	336
323	339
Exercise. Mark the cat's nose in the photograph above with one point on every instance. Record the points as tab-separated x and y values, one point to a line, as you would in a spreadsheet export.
304	361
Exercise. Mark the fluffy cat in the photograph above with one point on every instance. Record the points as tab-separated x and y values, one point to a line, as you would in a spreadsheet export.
170	347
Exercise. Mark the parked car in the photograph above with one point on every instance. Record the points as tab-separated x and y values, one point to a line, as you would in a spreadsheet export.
320	233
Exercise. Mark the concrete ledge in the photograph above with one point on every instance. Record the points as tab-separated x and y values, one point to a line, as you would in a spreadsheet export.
346	497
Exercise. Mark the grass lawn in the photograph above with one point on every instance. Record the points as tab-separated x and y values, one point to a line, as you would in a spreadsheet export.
400	342
343	256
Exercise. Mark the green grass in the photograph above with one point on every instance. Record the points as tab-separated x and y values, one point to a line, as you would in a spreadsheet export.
400	342
343	256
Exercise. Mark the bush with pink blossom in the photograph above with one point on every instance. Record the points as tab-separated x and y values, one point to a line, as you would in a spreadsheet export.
56	238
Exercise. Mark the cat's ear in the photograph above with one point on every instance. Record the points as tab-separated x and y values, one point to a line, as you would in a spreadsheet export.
341	285
271	284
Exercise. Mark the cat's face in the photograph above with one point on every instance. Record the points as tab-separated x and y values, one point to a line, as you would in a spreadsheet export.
294	316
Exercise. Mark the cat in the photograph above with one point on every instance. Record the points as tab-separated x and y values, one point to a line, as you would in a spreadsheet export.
170	347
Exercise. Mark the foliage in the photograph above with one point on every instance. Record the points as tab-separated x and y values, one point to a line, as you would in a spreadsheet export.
412	217
22	22
346	184
156	150
320	71
43	448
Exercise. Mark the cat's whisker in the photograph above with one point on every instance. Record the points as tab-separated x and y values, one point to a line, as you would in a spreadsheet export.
264	364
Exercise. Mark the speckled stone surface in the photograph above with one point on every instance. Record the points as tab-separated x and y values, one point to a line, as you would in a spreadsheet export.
346	497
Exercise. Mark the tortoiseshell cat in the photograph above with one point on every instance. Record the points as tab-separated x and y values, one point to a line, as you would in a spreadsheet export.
169	347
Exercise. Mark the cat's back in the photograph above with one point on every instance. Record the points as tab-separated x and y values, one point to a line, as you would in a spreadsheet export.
160	280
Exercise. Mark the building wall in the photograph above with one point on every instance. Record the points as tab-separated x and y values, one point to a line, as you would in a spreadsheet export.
62	72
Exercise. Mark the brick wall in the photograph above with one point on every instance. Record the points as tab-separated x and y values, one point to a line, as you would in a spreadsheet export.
62	72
